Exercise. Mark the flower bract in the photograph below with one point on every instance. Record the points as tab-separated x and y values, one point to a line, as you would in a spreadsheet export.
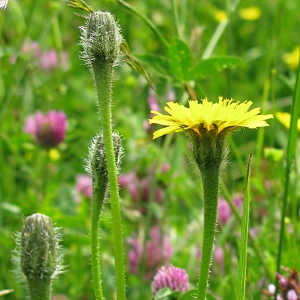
207	116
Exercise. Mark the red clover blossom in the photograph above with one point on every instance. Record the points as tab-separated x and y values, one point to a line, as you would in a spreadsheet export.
47	129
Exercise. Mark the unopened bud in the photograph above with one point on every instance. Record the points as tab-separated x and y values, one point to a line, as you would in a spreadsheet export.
38	247
39	255
96	164
101	38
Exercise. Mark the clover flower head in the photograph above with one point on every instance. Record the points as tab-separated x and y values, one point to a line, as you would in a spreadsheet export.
174	278
84	185
48	129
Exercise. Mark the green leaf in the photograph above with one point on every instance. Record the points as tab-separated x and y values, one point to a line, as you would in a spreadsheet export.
166	294
188	295
210	297
159	63
192	294
241	281
180	61
214	65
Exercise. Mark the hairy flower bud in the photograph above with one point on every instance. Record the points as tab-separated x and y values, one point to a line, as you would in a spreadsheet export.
38	247
38	255
101	38
96	165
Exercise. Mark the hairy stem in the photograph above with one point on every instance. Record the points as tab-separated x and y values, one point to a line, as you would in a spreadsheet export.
99	189
210	180
102	72
39	290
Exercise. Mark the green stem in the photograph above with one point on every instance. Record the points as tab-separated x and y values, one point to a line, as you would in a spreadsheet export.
99	189
103	83
210	181
175	15
39	290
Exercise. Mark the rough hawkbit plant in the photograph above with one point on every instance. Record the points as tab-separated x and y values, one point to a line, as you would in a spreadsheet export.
38	255
206	125
101	40
96	166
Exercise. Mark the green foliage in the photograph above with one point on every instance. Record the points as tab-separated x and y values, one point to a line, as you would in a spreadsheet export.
165	49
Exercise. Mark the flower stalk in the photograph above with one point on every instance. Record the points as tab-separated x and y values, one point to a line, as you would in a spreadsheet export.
210	182
103	84
209	151
101	40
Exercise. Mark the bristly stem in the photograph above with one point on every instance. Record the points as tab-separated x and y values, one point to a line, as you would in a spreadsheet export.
39	290
210	180
103	72
99	189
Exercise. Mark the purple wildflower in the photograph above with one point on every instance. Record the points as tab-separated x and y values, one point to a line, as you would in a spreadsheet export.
291	295
84	185
130	181
158	252
31	47
152	101
174	278
135	254
224	211
171	95
49	60
140	190
289	286
48	129
219	257
165	168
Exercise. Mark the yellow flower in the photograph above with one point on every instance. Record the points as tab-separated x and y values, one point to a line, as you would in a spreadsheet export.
207	116
220	16
285	119
54	154
250	13
291	59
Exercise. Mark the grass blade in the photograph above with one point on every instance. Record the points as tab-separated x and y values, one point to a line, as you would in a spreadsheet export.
291	152
244	240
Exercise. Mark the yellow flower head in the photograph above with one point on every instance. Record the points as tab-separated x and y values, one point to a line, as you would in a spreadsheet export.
220	16
250	13
207	116
285	119
291	59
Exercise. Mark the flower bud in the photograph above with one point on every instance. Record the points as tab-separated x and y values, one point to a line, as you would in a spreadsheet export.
39	243
96	162
38	256
101	38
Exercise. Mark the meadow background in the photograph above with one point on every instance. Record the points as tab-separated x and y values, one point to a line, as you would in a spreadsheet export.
161	198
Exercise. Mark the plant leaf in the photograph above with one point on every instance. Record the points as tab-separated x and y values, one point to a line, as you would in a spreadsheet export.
241	281
159	63
166	294
180	61
214	65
